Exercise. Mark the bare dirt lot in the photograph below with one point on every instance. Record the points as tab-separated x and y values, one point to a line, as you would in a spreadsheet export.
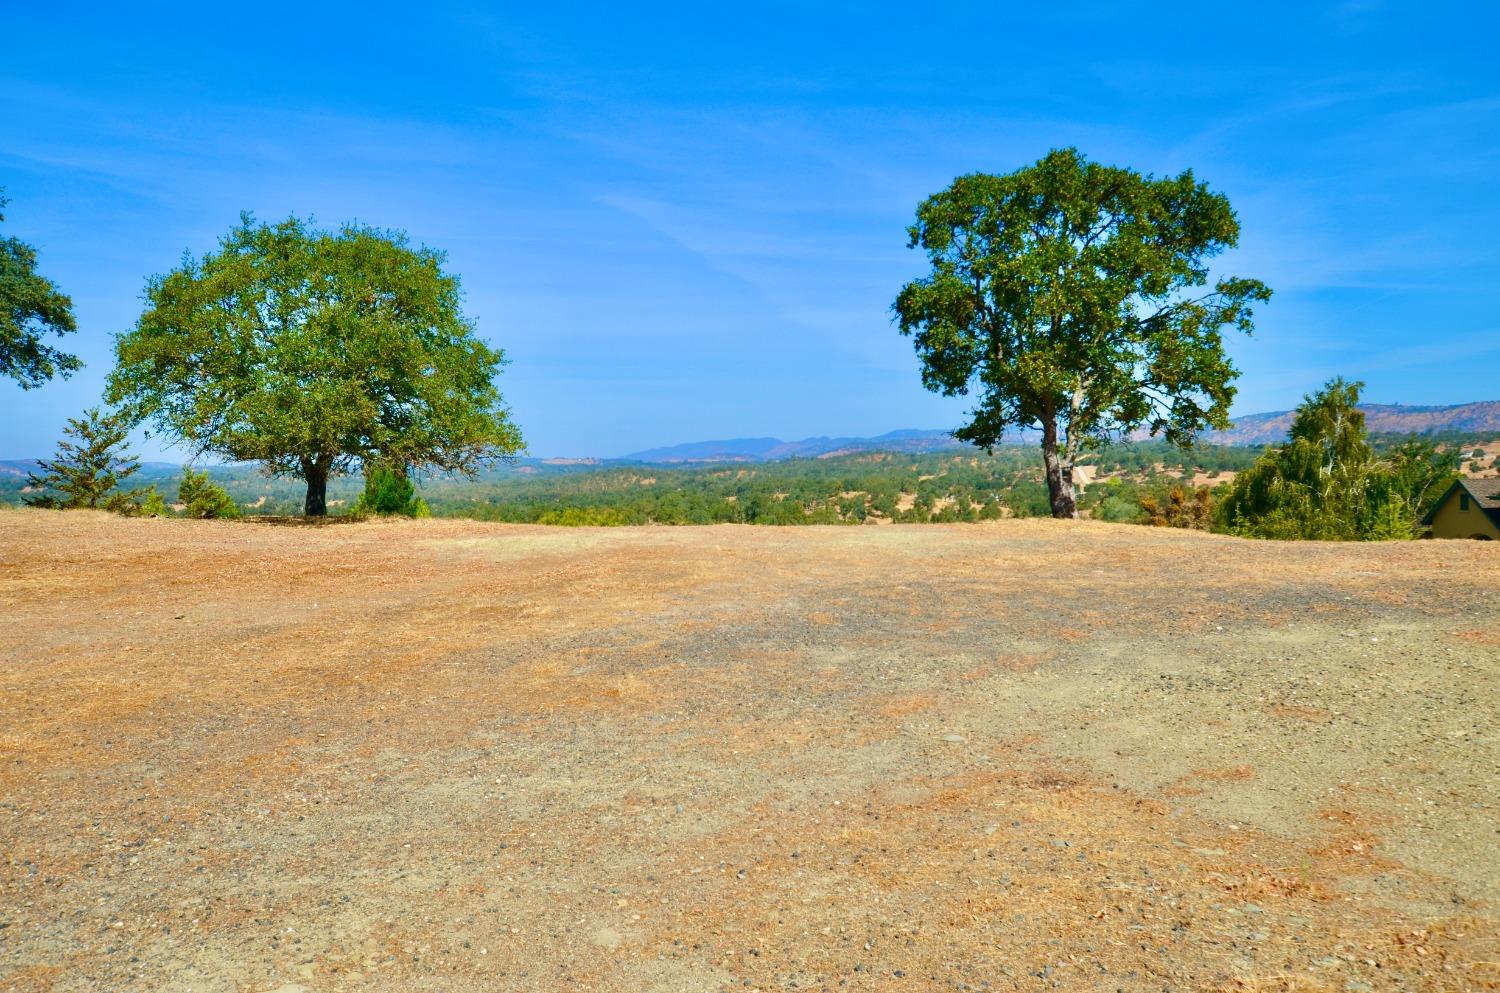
442	755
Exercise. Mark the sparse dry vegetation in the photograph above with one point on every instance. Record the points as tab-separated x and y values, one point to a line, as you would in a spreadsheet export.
461	756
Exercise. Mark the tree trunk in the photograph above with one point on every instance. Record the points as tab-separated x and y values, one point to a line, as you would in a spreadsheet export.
315	471
1059	473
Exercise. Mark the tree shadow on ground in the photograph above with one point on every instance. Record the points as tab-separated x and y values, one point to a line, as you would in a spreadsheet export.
275	520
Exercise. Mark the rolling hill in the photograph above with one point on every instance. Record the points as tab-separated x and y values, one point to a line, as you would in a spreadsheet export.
772	449
1381	418
1481	418
1251	429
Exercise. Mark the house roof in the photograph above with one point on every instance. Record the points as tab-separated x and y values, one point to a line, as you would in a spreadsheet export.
1484	493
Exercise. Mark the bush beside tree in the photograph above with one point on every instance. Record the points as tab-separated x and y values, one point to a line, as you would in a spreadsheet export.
153	504
204	499
389	492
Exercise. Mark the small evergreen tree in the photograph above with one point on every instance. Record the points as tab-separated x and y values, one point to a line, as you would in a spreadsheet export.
390	492
1118	501
204	498
89	467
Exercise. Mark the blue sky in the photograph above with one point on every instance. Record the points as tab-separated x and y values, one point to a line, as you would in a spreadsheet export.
687	222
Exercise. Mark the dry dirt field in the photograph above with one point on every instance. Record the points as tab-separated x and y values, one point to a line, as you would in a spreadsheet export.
450	756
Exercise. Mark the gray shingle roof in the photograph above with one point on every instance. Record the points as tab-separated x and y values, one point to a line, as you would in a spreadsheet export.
1484	492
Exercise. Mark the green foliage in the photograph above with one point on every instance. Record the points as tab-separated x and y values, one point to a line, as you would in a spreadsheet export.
390	492
1328	483
590	517
89	467
153	505
313	351
204	498
908	488
31	306
1115	500
1066	294
852	489
846	489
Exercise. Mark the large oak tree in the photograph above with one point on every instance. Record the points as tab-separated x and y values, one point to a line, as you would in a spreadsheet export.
1074	298
315	352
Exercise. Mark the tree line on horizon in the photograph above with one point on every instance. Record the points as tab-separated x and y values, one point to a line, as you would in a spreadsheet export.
1068	297
1134	482
934	487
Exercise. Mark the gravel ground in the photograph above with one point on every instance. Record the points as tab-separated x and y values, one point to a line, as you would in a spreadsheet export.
1029	755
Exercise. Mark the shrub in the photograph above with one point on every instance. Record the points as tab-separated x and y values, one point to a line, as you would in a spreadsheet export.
389	492
583	517
1117	508
204	498
1115	500
152	504
1180	510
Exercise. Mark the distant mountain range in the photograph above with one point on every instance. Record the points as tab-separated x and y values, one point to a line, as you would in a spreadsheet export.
21	467
1381	418
1251	429
772	449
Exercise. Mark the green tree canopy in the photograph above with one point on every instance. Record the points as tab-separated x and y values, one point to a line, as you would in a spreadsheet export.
31	307
1074	298
1327	483
315	352
89	468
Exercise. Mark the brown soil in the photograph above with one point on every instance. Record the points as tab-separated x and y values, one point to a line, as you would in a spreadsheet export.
1028	755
